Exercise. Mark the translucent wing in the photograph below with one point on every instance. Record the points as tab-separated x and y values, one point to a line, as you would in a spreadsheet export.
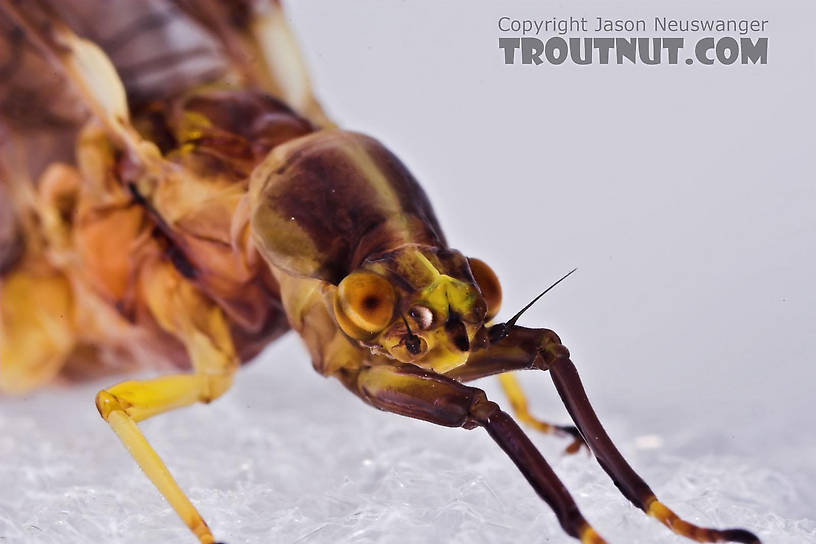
78	77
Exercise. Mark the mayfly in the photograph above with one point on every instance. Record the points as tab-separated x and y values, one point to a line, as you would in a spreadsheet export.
172	192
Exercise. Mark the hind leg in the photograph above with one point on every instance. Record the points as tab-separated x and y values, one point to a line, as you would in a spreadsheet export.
199	324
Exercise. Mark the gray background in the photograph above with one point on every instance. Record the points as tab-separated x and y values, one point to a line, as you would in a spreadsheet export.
684	195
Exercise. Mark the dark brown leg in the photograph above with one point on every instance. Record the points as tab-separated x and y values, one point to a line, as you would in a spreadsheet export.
568	384
516	351
411	391
518	348
518	402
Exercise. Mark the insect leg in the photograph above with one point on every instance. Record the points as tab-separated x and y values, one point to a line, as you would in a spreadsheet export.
518	402
521	348
181	310
567	382
511	354
411	391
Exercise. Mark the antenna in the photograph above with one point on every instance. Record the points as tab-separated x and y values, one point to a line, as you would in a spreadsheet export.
512	320
500	330
412	342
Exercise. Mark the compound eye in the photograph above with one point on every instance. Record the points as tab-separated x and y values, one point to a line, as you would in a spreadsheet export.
488	284
364	304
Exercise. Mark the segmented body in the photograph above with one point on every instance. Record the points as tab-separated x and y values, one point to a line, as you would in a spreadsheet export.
196	212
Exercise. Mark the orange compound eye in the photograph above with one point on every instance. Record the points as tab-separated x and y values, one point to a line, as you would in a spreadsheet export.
488	284
364	304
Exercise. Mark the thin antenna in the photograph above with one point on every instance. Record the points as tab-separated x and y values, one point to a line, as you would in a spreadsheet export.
512	320
412	342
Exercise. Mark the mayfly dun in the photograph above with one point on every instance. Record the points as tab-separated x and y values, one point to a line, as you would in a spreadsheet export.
172	192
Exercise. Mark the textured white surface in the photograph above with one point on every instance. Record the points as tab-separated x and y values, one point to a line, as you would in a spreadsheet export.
289	457
689	212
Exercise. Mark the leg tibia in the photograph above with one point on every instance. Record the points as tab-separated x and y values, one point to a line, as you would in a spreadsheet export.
518	402
571	390
516	348
155	469
128	402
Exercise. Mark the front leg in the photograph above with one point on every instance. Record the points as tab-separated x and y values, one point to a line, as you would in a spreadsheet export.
411	391
513	348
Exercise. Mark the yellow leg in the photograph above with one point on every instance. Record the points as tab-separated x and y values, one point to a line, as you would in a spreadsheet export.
183	311
125	404
590	536
518	403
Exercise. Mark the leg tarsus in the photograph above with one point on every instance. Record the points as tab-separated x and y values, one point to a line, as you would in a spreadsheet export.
578	441
667	517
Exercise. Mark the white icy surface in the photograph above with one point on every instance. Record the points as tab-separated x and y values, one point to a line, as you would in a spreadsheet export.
290	457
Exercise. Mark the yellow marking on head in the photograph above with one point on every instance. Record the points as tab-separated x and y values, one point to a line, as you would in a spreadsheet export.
444	290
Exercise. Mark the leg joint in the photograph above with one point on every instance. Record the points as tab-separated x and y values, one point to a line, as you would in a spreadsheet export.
480	411
215	386
106	403
550	348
